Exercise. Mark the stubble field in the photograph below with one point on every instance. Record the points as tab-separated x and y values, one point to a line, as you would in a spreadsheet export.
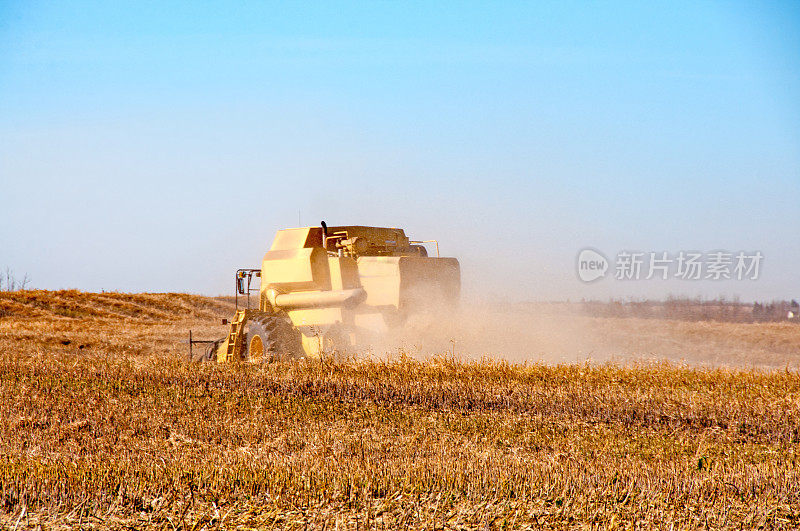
104	424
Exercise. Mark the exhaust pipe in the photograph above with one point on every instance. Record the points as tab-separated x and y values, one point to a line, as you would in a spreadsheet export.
324	235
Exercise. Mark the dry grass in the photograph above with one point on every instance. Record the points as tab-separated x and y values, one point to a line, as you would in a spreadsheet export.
125	433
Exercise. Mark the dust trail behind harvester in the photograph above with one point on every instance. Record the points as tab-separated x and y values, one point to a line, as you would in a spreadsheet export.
512	332
560	333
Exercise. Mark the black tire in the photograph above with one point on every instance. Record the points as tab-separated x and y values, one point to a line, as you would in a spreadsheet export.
271	338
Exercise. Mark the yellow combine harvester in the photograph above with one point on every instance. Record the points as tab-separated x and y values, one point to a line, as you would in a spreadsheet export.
333	289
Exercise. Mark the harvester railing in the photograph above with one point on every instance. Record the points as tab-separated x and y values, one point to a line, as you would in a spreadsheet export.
242	276
193	342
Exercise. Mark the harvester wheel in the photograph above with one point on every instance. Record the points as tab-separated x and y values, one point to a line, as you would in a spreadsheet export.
270	338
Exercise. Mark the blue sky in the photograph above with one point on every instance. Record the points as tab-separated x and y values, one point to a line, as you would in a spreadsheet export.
157	147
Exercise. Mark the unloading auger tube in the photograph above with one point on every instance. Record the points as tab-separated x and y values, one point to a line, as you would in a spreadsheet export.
331	289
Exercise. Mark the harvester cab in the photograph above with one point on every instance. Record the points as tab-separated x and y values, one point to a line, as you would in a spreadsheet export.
333	289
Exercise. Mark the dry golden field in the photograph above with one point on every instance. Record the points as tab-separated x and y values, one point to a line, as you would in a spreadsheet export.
105	424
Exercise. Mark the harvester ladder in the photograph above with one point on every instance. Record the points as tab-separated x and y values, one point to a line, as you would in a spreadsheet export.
234	341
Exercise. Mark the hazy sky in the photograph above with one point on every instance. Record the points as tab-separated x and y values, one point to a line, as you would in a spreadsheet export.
159	146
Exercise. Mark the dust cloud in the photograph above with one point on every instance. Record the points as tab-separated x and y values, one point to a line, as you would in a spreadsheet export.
558	333
515	333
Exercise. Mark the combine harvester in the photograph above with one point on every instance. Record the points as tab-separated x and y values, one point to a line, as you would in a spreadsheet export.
333	289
